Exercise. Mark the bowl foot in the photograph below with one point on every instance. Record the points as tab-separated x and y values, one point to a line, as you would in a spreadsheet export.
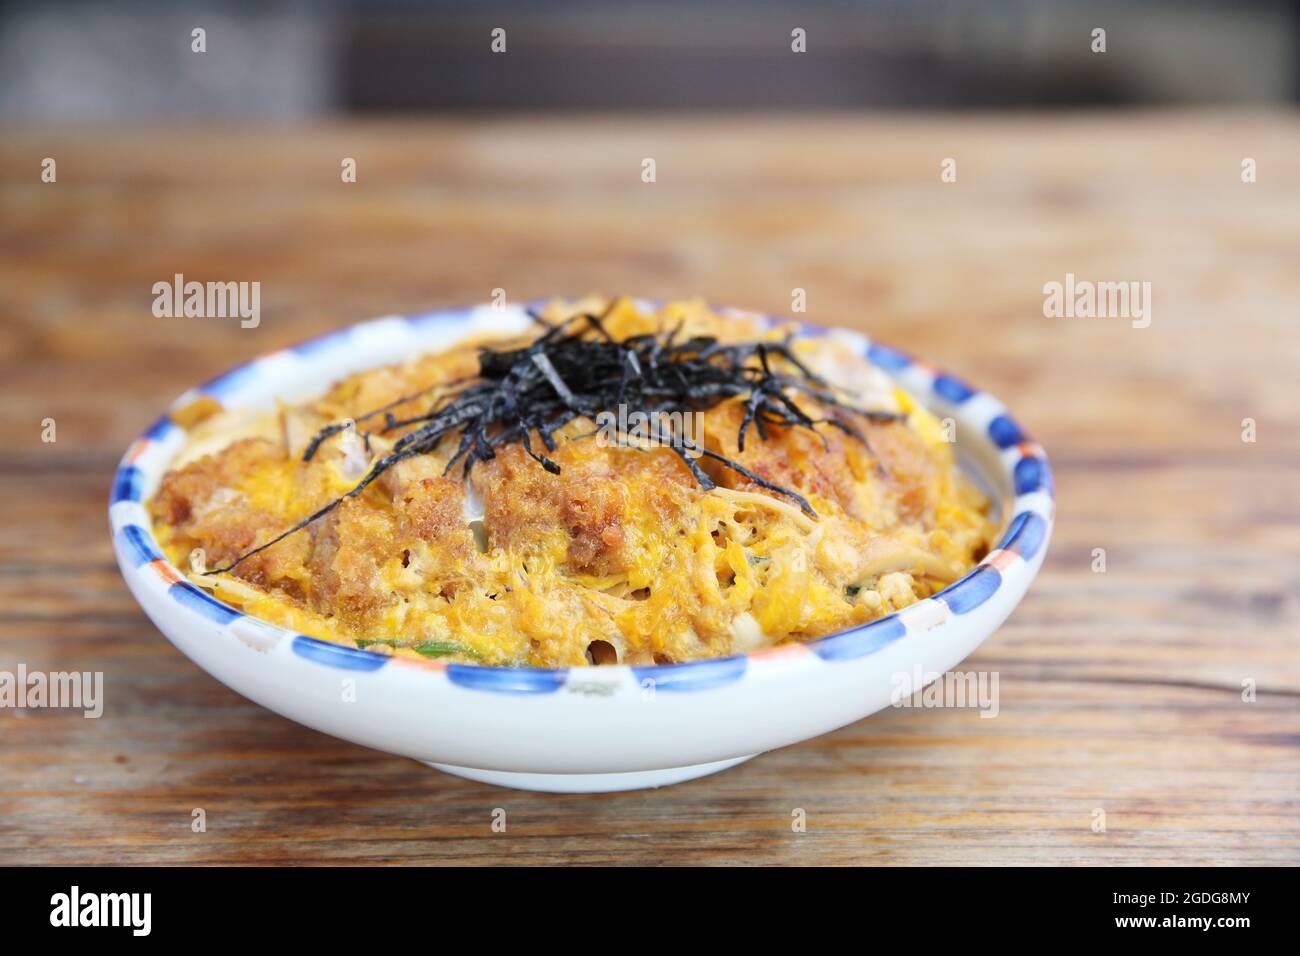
591	782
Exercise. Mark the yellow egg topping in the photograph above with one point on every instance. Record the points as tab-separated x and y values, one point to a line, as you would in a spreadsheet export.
623	555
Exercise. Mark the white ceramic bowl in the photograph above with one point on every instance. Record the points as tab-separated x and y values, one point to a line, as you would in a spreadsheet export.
582	729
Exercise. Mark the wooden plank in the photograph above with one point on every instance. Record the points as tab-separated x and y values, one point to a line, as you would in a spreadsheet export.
1120	691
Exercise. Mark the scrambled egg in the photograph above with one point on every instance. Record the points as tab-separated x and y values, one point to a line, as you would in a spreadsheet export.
622	556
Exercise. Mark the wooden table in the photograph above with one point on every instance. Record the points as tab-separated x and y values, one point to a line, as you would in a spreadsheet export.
1120	691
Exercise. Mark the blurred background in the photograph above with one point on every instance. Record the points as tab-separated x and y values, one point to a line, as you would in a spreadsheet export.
130	60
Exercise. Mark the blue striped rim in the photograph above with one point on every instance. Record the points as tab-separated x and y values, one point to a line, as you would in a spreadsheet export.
1025	534
140	543
323	343
160	429
1005	432
805	329
885	357
194	599
860	641
973	590
337	655
127	485
1031	474
952	388
507	680
441	316
231	381
694	675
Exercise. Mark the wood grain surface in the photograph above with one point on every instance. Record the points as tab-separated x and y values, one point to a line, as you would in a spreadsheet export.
1119	691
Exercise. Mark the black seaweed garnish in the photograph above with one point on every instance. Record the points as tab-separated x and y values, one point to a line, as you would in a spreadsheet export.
576	368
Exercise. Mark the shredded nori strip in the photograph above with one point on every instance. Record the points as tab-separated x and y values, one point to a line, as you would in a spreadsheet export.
575	369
